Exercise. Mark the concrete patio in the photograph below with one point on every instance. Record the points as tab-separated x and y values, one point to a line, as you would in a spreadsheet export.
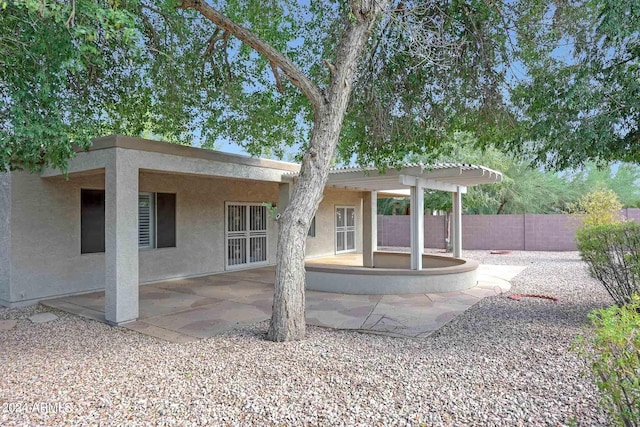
190	309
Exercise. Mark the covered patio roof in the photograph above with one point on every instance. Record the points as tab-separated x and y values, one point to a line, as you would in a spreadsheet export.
410	180
452	177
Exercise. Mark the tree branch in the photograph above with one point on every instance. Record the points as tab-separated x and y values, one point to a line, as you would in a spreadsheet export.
276	74
72	16
331	67
293	73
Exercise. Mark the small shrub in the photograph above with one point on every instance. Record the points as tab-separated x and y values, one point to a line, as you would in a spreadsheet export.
612	252
599	207
613	353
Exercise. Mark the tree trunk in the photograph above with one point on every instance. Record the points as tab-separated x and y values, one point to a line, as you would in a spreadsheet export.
501	207
287	320
329	107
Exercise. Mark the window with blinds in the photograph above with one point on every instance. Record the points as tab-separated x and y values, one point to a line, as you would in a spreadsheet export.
146	220
156	220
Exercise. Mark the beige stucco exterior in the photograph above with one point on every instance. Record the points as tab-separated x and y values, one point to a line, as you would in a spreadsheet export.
324	242
40	232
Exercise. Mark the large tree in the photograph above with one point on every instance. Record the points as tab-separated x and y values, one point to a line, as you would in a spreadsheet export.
267	74
329	104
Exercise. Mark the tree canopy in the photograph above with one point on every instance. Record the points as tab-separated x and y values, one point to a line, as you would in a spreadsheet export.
280	73
557	81
578	94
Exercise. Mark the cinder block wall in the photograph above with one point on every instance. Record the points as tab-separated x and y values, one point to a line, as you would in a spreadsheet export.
529	232
486	232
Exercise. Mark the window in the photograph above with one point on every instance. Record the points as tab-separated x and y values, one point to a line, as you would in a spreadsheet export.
156	221
91	221
166	220
312	228
146	220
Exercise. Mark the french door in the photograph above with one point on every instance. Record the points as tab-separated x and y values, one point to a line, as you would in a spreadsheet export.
345	229
245	234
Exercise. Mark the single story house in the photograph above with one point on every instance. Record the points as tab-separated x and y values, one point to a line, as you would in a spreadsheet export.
134	211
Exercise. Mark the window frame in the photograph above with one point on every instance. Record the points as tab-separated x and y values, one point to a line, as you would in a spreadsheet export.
153	219
83	219
345	229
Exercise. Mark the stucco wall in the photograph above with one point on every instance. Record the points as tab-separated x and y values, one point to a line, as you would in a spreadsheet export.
200	221
324	242
5	235
44	230
45	238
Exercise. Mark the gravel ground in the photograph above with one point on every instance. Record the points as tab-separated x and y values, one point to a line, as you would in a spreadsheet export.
502	362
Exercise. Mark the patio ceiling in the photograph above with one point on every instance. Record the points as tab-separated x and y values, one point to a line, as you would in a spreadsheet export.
446	176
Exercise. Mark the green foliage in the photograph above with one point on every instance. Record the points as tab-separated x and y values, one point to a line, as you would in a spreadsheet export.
523	190
580	96
49	54
614	356
393	206
432	67
623	179
599	207
71	71
612	252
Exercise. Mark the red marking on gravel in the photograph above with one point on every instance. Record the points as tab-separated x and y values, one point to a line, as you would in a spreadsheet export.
499	252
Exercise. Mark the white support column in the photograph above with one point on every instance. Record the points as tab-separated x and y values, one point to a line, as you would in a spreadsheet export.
417	225
457	223
121	239
369	227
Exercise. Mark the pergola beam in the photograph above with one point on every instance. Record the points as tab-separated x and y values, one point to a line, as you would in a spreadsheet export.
431	184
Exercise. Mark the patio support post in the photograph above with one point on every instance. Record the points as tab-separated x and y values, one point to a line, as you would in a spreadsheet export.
417	225
369	227
457	223
121	239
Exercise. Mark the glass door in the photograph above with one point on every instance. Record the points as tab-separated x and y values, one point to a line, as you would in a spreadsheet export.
246	234
345	229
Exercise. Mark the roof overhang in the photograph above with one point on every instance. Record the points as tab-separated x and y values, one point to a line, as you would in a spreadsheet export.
444	177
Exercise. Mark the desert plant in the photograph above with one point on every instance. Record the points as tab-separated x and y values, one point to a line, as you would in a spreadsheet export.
613	353
601	206
612	252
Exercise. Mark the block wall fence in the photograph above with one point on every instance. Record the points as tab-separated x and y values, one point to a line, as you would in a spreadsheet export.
525	232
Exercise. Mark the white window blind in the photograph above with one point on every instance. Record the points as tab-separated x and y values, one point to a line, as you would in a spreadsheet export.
146	220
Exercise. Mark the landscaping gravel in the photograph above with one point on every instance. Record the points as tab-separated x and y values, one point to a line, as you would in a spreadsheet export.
502	362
